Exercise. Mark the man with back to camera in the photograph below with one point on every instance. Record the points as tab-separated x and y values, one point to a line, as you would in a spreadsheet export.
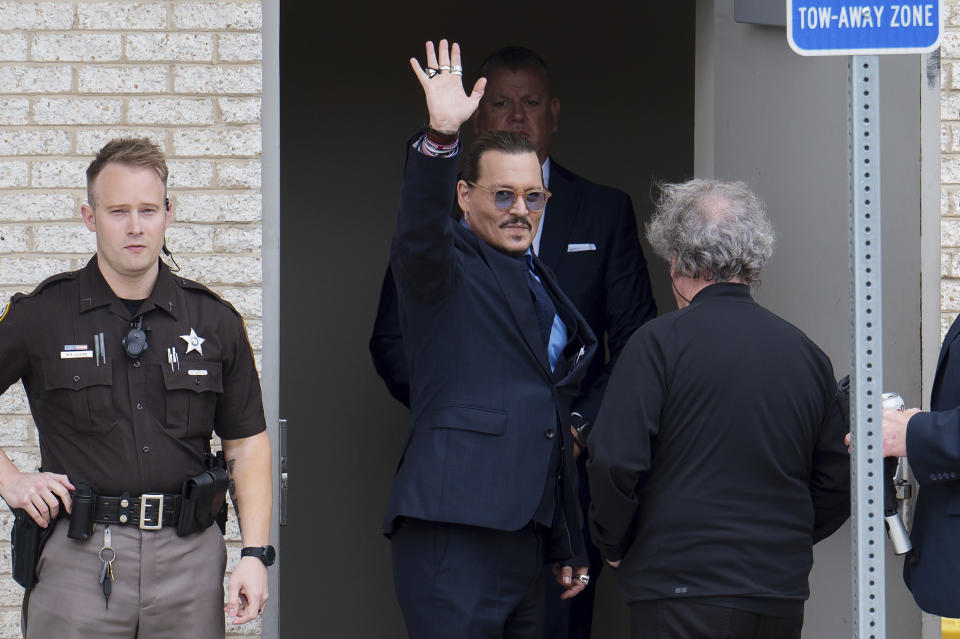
930	440
587	237
128	370
483	496
718	456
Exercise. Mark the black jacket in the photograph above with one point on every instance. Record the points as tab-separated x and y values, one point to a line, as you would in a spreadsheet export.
718	459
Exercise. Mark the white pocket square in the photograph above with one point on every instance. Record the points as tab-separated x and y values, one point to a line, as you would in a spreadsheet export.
576	248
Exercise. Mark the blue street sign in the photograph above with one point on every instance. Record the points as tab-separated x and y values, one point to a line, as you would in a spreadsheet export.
848	27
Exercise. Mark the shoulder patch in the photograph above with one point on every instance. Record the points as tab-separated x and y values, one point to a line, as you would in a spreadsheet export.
197	286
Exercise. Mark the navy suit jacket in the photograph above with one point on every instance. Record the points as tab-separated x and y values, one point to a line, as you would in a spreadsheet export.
933	449
485	407
590	242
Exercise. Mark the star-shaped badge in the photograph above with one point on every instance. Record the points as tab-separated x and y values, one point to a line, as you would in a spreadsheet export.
194	342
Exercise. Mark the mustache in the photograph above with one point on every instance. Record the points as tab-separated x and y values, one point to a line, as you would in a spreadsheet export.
515	219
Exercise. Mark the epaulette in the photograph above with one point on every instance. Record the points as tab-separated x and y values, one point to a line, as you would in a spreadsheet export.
197	286
67	275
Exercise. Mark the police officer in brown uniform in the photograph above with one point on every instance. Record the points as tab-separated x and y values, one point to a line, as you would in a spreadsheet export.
129	369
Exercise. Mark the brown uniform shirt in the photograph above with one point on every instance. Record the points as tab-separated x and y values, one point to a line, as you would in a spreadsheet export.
122	424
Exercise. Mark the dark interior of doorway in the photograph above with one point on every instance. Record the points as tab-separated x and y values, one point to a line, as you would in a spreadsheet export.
624	73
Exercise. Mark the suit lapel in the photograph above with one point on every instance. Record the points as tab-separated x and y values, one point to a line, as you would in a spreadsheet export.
510	274
560	214
951	335
578	332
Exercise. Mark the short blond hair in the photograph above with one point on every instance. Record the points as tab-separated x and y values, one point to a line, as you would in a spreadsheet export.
139	152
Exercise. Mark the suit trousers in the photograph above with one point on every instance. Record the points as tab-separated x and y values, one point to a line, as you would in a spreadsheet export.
165	586
465	582
688	619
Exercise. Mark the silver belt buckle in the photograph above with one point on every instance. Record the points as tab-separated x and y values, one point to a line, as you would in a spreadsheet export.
144	500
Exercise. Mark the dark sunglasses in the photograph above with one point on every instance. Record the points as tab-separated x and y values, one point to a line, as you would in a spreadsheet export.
504	197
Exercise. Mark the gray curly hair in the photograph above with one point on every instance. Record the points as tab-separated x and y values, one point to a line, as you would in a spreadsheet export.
711	229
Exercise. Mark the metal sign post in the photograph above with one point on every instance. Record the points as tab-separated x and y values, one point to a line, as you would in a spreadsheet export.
866	349
862	31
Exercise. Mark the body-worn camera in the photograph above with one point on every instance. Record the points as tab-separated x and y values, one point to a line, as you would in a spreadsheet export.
135	343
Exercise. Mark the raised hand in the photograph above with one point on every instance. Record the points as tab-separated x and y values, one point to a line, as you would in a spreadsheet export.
449	106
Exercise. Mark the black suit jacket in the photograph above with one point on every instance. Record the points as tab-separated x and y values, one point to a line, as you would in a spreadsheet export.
933	449
485	406
590	242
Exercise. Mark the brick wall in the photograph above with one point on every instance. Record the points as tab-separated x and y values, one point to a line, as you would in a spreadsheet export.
74	74
950	167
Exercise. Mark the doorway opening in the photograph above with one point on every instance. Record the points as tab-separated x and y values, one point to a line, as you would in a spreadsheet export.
625	78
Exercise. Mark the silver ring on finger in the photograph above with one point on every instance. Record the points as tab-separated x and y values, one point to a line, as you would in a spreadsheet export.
431	72
584	579
444	67
457	72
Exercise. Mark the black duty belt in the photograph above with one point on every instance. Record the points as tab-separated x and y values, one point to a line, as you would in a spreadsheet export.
150	511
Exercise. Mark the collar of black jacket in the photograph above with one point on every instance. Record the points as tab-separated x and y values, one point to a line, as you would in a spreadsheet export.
723	290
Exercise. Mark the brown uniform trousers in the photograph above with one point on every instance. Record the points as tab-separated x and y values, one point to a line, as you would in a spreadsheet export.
166	586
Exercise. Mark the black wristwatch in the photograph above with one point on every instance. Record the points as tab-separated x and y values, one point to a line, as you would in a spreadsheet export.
582	427
266	554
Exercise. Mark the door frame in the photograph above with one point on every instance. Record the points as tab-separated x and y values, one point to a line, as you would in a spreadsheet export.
270	261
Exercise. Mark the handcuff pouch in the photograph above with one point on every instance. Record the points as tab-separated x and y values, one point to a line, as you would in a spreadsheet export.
203	498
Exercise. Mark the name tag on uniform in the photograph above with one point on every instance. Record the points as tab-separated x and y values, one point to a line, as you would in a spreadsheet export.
76	354
578	248
195	371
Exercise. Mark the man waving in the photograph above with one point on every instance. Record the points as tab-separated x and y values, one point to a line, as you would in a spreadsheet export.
485	491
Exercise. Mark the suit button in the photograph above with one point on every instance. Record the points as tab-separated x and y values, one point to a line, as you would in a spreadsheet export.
136	364
549	433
